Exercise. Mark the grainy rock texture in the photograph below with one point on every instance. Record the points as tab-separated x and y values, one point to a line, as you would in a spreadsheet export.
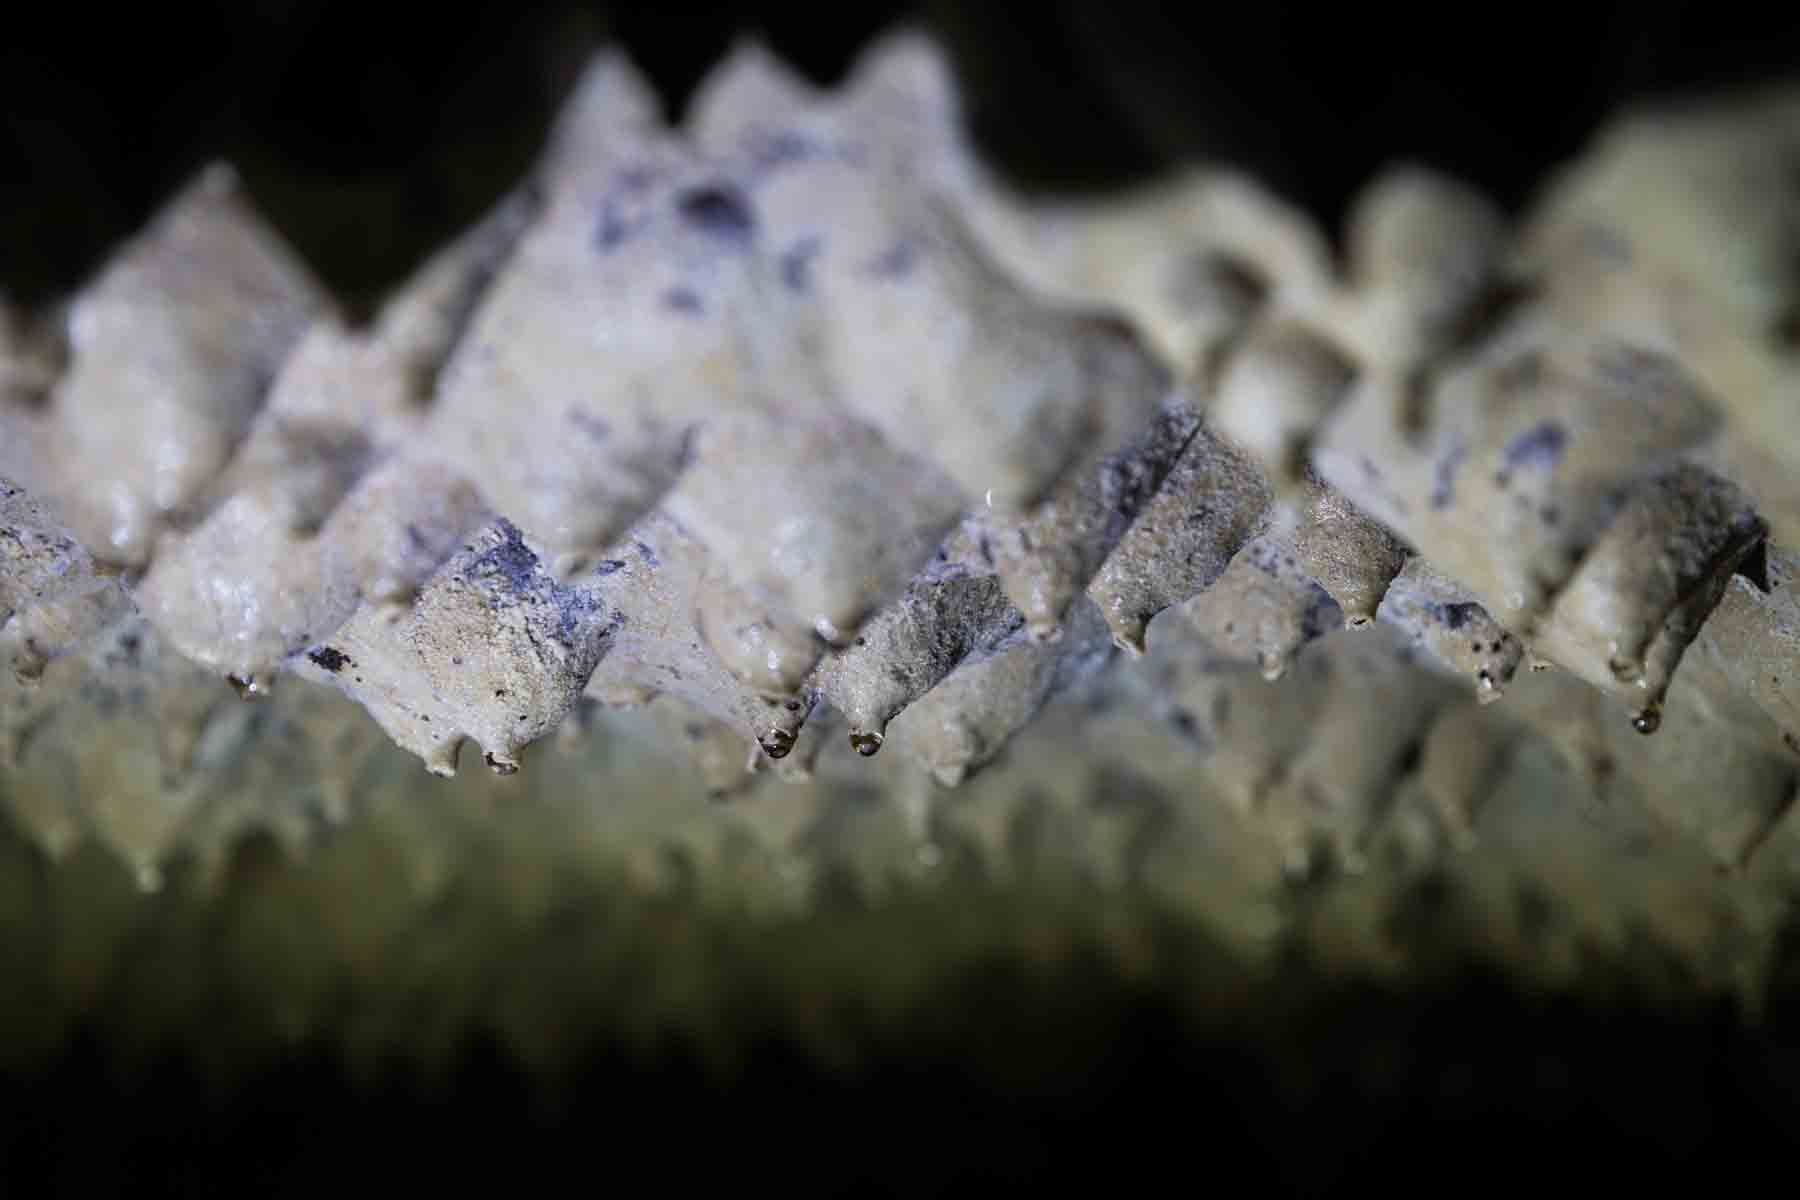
793	432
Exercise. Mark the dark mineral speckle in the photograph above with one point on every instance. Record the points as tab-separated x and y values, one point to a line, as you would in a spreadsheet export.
1188	727
1322	615
719	211
1458	615
330	658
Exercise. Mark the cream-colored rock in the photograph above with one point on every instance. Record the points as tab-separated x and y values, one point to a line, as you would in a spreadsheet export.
1278	388
652	293
309	521
1466	758
129	730
1678	225
172	349
735	385
493	649
953	610
1212	502
770	654
966	720
748	103
1048	558
919	333
1191	259
53	596
1533	451
657	581
720	751
1753	639
1717	773
1262	609
610	115
1422	252
397	526
823	519
1438	615
1330	790
1644	591
1351	556
1704	187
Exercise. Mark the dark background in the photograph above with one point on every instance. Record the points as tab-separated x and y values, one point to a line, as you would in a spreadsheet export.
370	132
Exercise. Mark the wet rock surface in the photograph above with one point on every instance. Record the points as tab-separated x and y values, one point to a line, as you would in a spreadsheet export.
733	453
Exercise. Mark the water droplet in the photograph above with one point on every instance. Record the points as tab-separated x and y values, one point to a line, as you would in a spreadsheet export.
249	687
501	764
1648	720
865	744
1130	640
776	743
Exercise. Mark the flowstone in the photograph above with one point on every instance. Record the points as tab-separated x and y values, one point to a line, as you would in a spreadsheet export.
734	453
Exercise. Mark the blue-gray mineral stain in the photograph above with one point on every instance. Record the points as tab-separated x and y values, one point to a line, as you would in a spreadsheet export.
591	426
575	610
511	559
1541	446
611	230
777	149
614	227
719	211
684	300
894	263
1443	489
796	262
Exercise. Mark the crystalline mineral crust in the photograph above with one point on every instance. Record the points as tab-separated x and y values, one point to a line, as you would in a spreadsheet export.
798	430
